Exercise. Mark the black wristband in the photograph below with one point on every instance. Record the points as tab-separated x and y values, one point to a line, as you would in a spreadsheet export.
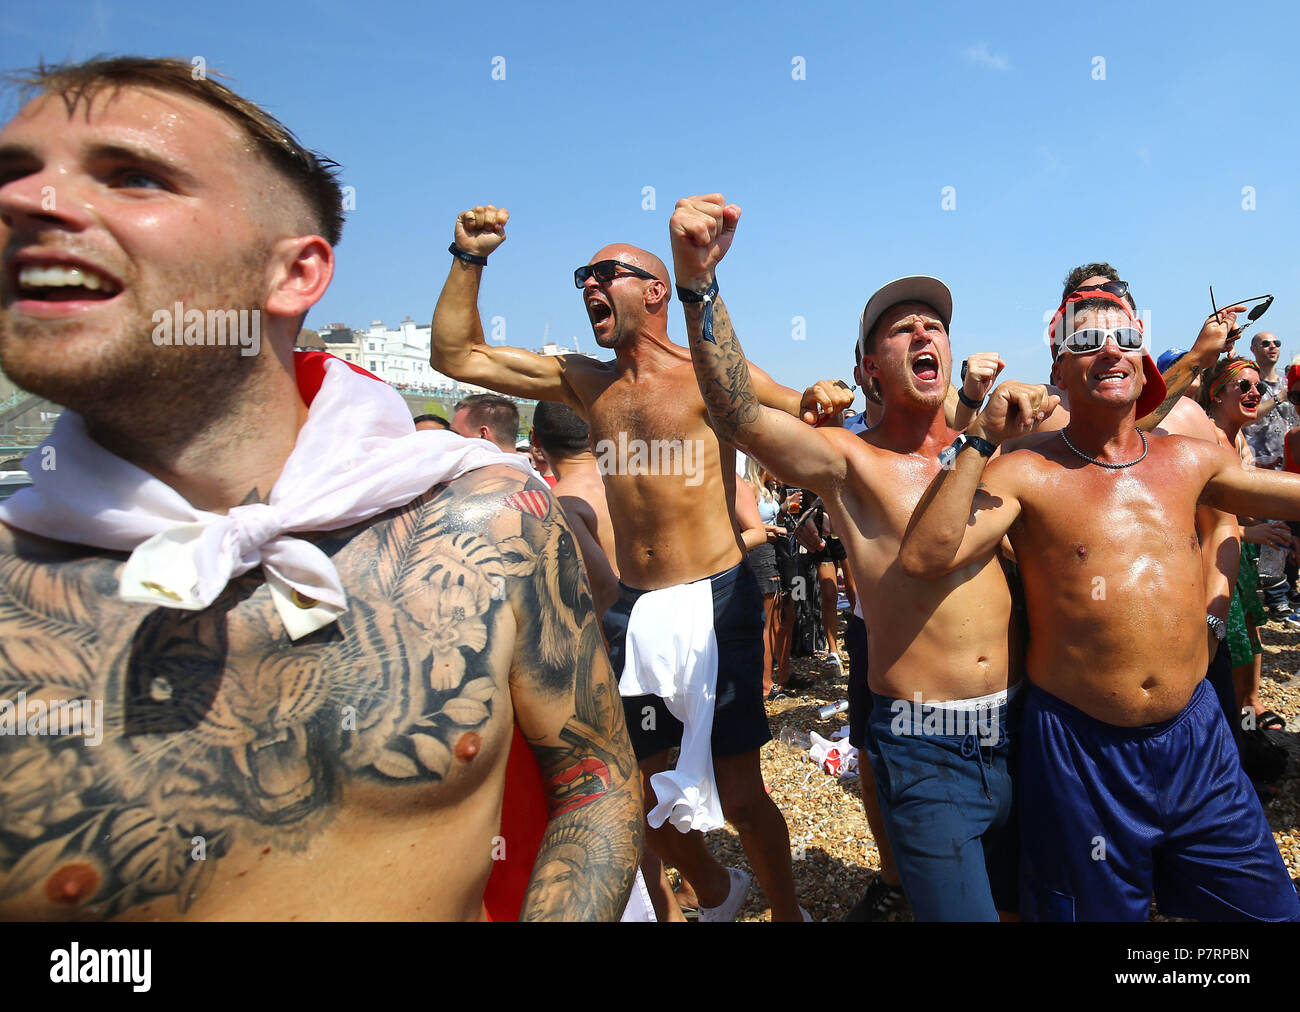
974	405
707	296
982	446
469	258
690	295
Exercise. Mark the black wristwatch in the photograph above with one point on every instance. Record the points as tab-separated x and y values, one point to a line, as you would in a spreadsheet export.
948	456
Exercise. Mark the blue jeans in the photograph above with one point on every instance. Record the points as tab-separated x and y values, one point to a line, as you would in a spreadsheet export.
946	796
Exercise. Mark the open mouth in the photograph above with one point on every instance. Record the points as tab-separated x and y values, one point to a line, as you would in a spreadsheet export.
925	367
1112	375
279	767
598	311
53	282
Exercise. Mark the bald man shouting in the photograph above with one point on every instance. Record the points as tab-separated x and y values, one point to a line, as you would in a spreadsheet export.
670	483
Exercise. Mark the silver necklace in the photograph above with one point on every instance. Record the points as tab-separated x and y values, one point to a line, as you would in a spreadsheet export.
1101	463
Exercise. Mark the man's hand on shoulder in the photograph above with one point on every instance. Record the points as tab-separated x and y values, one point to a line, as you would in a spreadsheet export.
825	401
1013	410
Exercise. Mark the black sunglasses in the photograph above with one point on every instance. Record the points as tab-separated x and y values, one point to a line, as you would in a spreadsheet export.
606	271
1264	302
1245	386
1117	288
1270	344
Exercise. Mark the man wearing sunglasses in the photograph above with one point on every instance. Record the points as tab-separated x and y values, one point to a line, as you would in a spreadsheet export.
1177	414
1129	784
938	723
671	530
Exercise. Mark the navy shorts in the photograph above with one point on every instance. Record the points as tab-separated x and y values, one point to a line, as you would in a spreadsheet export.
739	719
945	790
860	701
1113	815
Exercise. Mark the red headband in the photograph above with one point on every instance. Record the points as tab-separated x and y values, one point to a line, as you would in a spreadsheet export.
1082	296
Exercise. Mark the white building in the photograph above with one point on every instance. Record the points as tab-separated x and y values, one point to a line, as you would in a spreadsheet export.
401	357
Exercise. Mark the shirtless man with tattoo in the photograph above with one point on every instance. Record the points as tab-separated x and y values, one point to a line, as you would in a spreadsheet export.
673	526
253	766
1130	784
941	675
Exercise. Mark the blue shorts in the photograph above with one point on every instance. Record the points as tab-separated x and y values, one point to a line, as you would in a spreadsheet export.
739	719
1113	815
946	797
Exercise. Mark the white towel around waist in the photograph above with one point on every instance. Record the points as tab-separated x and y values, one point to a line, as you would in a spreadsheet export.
671	651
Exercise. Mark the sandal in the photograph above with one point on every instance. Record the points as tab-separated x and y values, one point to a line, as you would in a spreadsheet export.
1270	721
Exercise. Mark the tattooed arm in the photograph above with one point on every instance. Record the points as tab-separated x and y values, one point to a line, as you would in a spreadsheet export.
1215	339
567	705
701	230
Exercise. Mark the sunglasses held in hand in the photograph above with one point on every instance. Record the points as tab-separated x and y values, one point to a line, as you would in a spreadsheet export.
1264	302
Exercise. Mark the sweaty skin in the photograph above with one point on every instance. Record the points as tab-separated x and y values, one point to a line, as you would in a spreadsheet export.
356	773
1111	563
670	528
946	639
318	774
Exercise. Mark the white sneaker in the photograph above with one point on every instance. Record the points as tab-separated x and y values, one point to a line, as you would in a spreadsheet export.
728	908
833	659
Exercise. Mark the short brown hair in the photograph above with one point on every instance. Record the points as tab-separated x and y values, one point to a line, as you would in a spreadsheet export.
313	176
497	413
1083	272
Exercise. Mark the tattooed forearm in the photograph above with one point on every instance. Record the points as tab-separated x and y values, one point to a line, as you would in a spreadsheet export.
1180	377
567	704
721	370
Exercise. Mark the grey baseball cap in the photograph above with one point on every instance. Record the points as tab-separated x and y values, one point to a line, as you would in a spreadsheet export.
916	288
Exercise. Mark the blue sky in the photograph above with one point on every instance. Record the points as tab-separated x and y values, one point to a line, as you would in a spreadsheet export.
841	174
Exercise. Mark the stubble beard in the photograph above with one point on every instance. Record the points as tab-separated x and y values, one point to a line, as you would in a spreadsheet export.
111	369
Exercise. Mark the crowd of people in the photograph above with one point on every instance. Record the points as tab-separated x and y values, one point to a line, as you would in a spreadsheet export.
355	665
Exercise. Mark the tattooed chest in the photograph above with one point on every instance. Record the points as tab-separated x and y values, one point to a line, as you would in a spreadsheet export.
137	748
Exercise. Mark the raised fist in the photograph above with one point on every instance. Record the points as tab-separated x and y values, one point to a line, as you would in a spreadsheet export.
824	400
1013	409
982	369
481	229
701	230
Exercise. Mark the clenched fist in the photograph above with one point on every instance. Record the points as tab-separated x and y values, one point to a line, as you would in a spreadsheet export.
982	369
701	230
481	229
1013	410
824	400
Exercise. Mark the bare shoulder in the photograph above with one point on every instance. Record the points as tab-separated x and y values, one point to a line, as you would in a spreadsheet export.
1187	418
587	377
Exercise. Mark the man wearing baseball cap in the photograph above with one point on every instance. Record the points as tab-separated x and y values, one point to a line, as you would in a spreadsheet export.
936	723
